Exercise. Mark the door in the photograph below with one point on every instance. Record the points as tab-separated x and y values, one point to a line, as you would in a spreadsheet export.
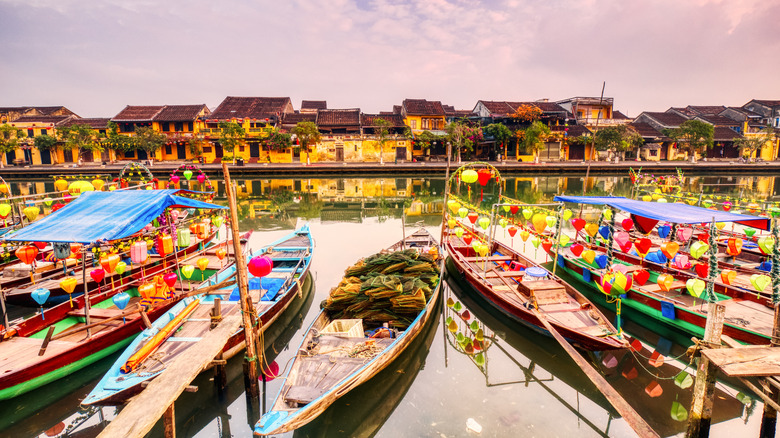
87	156
339	153
45	157
218	150
105	155
254	150
400	154
142	154
296	153
68	155
181	151
577	152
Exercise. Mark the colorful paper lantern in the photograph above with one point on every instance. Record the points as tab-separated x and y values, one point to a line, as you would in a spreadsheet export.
669	249
221	253
202	263
164	245
469	176
170	279
31	213
187	174
698	249
27	253
734	246
97	274
539	222
109	262
182	238
260	266
665	282
139	252
695	286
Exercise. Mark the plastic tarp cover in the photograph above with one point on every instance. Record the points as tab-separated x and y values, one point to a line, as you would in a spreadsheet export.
97	216
670	212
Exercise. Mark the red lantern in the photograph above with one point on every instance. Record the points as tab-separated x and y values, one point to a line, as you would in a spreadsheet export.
473	217
97	274
512	231
27	253
483	176
260	266
514	209
627	224
578	223
40	245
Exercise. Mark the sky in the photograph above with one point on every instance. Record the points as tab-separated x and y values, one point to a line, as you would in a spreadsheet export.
97	56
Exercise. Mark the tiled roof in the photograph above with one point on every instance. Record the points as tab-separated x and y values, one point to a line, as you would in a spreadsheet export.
423	107
500	108
396	120
718	120
496	107
646	130
666	119
745	111
397	109
251	107
767	102
573	130
313	105
681	110
41	119
133	113
710	109
548	107
94	123
338	117
294	118
618	115
180	113
723	133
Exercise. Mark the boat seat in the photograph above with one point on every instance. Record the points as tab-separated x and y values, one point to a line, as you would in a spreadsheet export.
490	259
303	395
656	288
95	313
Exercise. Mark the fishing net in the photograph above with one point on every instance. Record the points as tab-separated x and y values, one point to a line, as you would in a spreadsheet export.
385	287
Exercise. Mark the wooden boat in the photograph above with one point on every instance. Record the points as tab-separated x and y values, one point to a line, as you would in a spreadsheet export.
748	319
501	278
322	370
70	336
151	351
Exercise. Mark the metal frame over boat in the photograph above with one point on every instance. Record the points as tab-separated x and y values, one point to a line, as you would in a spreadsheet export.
190	319
315	381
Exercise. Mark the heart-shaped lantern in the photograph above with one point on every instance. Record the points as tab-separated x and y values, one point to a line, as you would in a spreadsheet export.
766	244
727	276
201	178
669	249
175	179
702	269
591	229
698	249
663	231
734	246
621	238
607	214
695	286
640	277
589	256
684	234
681	262
576	249
514	209
187	174
604	231
567	214
564	239
760	281
578	223
97	274
601	260
5	210
665	281
627	224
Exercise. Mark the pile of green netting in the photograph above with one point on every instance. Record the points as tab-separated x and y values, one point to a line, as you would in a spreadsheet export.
390	287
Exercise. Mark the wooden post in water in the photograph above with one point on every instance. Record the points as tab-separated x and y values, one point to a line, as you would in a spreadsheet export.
169	423
769	418
247	308
704	389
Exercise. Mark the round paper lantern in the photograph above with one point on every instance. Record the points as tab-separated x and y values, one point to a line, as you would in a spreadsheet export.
27	253
146	290
202	263
260	266
469	176
31	213
188	270
120	268
221	253
40	245
61	185
5	210
539	222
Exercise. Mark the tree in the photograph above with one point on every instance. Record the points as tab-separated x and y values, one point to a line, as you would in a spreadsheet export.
426	138
231	134
500	134
81	137
463	136
46	143
278	141
618	138
748	145
527	113
382	131
307	134
195	145
9	140
149	140
118	142
533	136
692	135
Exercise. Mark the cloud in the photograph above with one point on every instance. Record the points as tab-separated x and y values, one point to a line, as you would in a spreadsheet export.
99	56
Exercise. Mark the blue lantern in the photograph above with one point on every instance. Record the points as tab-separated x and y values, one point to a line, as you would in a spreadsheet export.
663	231
121	300
40	296
604	231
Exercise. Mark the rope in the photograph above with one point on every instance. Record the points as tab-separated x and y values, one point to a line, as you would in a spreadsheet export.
610	241
637	355
775	271
713	264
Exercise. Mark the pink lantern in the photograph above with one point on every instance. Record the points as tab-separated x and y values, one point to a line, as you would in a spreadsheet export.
97	274
201	178
260	266
170	279
139	252
175	179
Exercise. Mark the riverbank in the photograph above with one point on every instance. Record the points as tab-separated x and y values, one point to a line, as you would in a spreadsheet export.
409	168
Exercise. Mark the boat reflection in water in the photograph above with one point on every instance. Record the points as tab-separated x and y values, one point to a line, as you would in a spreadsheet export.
362	411
648	386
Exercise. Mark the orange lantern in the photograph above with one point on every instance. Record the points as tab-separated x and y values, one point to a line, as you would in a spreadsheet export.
164	245
734	246
221	253
109	262
147	291
75	250
665	282
27	253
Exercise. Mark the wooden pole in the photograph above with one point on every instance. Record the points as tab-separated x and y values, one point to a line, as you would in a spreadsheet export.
2	303
169	423
704	388
769	417
247	308
446	192
86	289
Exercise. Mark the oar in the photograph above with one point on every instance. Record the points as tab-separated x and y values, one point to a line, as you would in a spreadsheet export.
624	409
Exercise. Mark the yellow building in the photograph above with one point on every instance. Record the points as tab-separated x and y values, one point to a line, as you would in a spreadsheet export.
35	125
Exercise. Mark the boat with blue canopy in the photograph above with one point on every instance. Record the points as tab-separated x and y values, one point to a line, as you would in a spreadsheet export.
604	255
65	338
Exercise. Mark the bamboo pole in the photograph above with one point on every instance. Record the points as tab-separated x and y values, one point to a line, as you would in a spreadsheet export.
247	308
86	289
704	388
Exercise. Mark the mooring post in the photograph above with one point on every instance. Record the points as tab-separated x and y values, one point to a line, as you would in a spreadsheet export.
247	308
769	418
704	389
169	423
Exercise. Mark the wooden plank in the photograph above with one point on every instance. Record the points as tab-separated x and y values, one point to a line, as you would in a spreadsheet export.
141	414
746	361
490	259
495	274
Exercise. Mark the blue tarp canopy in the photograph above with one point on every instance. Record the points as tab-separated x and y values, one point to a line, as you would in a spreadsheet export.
674	213
96	216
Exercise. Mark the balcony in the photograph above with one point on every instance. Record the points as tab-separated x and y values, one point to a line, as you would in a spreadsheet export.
591	121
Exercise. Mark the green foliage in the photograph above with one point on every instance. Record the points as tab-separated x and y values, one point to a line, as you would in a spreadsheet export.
463	136
278	141
748	145
195	145
533	136
692	135
499	132
45	142
617	138
425	138
81	137
382	132
307	133
9	138
148	139
231	135
581	140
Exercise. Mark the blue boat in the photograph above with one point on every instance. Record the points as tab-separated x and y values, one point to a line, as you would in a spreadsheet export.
186	323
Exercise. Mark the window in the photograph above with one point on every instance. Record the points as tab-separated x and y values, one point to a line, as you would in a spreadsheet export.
413	123
44	132
425	123
178	126
189	126
30	133
168	149
206	149
654	152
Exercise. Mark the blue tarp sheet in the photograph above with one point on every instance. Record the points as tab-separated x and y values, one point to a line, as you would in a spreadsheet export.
674	213
96	216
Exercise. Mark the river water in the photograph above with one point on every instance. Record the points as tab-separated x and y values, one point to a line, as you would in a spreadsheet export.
526	387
